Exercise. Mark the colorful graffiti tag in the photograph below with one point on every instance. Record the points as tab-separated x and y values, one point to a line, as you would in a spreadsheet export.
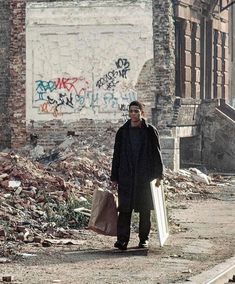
76	85
58	96
75	94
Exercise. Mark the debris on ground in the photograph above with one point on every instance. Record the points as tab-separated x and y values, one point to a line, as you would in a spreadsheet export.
45	194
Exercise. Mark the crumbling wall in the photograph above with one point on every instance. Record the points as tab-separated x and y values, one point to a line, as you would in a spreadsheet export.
201	68
87	61
164	67
218	150
164	62
12	73
232	55
4	72
17	56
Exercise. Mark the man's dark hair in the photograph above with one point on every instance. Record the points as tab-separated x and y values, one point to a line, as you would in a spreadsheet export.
138	104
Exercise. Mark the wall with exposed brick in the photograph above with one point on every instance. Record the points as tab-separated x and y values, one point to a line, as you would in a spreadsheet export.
17	55
12	72
53	132
201	72
86	61
164	67
145	88
164	62
232	55
96	52
4	73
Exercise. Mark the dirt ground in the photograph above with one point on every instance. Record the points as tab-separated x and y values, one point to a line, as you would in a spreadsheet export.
202	234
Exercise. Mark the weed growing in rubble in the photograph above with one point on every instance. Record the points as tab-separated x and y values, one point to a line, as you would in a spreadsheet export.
63	214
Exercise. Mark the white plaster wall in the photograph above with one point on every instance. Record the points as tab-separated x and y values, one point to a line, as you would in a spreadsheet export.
83	59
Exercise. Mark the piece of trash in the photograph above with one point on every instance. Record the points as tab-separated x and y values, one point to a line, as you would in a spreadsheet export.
14	183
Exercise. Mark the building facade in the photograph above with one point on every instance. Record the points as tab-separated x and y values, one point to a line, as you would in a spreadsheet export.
193	111
76	65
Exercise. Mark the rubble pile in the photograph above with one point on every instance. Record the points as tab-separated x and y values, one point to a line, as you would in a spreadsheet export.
42	194
84	167
31	197
191	182
36	197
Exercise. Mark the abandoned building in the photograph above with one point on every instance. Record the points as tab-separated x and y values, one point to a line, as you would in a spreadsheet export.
74	66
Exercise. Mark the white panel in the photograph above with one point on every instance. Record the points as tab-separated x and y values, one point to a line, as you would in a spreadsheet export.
160	211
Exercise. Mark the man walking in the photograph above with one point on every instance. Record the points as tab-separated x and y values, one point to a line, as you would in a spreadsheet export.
136	161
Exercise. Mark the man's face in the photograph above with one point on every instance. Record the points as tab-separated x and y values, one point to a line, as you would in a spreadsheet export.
135	113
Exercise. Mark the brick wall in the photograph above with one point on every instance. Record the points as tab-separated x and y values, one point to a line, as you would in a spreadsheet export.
14	129
52	133
164	62
232	55
4	73
145	88
17	58
155	82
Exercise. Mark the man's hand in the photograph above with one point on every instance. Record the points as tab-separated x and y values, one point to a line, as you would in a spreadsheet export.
114	185
158	182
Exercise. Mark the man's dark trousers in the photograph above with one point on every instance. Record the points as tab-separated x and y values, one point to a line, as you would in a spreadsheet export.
124	223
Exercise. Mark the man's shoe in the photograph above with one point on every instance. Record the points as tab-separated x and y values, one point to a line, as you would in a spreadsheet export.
143	244
120	245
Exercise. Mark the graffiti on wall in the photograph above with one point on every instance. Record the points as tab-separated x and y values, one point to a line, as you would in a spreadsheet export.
75	94
111	79
76	85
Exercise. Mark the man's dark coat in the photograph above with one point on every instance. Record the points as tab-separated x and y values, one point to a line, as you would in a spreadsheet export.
134	182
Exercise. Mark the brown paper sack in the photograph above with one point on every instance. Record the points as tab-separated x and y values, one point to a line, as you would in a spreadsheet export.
104	213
